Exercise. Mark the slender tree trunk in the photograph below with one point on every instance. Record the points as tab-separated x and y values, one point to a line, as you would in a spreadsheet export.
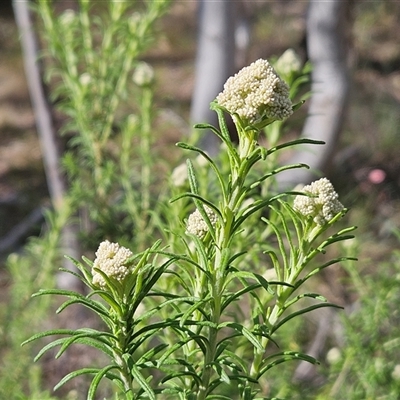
47	138
44	124
327	42
214	62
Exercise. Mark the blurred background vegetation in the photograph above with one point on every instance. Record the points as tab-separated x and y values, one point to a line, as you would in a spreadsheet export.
360	359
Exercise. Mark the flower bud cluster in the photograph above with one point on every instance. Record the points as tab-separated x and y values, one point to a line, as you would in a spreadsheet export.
288	63
68	17
143	74
256	92
196	224
111	259
323	203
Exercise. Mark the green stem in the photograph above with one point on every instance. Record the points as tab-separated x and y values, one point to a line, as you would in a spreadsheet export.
121	331
247	144
259	354
212	342
283	294
145	146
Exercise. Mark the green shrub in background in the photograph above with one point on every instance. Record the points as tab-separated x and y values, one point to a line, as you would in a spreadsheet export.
33	269
367	366
105	93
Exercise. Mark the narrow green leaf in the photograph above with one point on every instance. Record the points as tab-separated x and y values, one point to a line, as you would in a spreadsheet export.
91	305
89	262
150	281
245	332
223	376
200	126
334	239
238	363
264	283
294	217
259	278
80	277
194	185
108	298
288	234
198	303
202	253
87	334
276	265
87	275
171	350
101	345
137	342
221	347
347	230
224	134
143	383
300	312
60	292
200	199
191	262
185	373
284	357
202	341
214	167
48	333
236	256
175	299
281	246
96	380
49	346
302	296
114	287
221	120
71	375
294	143
277	171
320	268
235	296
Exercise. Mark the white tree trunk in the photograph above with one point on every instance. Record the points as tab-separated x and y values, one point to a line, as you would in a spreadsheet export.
47	137
214	62
327	27
40	106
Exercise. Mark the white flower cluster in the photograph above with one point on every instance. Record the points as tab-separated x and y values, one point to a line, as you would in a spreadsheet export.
288	63
111	259
324	203
256	91
143	74
68	17
196	224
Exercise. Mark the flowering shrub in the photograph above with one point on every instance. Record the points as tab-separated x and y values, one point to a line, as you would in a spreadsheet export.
173	321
